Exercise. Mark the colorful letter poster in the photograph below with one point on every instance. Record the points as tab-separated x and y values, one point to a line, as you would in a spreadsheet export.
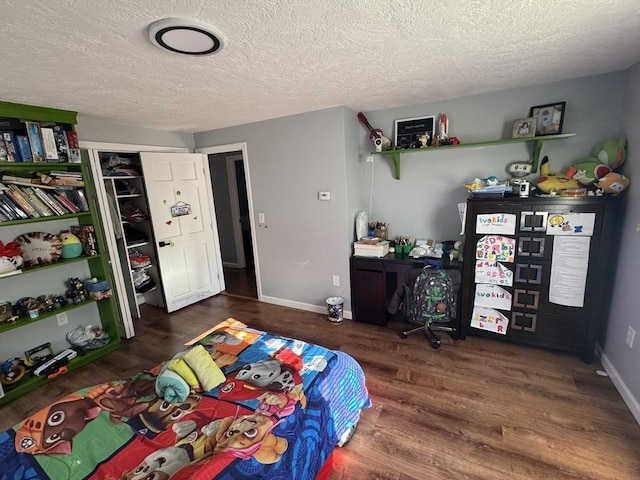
504	223
571	224
493	273
492	296
496	248
489	319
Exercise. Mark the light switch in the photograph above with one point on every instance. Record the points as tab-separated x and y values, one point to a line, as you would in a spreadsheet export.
261	218
324	195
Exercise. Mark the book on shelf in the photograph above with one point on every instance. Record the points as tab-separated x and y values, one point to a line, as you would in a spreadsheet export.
49	144
42	208
3	151
13	155
74	146
62	145
9	203
35	140
17	196
87	236
62	198
48	201
24	148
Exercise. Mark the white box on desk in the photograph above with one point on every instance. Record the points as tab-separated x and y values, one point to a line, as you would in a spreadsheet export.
371	249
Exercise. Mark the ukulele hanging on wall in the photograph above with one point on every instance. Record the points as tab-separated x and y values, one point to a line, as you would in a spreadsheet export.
379	140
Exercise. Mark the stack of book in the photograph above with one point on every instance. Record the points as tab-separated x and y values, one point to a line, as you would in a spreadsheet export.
371	247
39	142
21	202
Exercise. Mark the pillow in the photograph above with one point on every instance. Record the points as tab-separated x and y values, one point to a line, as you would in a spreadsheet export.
207	371
181	367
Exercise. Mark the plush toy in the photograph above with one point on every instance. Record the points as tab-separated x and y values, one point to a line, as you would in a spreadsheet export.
605	157
71	246
553	182
10	257
613	182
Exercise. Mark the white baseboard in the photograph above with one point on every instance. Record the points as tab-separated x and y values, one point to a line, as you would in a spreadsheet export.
301	306
625	393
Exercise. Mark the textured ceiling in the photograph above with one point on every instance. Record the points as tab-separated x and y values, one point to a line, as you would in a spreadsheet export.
290	56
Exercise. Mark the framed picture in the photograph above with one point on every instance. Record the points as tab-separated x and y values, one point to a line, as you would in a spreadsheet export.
524	127
550	118
410	132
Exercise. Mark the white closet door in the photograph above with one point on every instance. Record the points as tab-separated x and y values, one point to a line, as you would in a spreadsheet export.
187	243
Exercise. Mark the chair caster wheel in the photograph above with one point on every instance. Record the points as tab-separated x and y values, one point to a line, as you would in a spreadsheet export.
435	345
403	335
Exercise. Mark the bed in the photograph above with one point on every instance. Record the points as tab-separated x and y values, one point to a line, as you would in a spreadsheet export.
279	408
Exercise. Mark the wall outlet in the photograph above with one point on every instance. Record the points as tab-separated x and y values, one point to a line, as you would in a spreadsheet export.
261	218
370	159
631	335
62	318
336	281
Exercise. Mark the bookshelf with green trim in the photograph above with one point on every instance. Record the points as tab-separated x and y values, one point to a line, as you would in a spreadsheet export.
26	333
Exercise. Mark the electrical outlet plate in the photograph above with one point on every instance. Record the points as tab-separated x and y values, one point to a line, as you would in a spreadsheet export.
336	281
62	318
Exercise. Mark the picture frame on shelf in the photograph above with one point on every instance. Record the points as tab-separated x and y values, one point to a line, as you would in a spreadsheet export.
524	127
550	118
408	132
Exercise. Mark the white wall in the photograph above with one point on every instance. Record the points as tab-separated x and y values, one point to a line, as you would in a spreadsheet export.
304	241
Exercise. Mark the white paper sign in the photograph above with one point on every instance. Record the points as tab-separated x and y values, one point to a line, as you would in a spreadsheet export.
494	273
499	223
496	248
571	224
492	296
489	319
569	265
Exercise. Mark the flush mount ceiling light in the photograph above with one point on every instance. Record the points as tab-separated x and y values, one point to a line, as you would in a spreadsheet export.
185	36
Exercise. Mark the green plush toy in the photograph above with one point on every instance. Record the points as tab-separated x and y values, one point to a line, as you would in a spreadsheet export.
605	157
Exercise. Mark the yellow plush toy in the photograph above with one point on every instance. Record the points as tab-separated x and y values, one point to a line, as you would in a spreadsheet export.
553	182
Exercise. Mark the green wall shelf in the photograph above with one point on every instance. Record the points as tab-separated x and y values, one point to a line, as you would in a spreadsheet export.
535	156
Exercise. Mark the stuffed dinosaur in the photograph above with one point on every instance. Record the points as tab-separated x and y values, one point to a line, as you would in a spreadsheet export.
605	157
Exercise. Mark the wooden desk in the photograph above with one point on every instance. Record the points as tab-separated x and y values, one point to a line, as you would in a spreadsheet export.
375	280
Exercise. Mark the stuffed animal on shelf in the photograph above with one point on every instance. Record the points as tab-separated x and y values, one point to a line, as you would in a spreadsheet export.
553	182
613	182
605	157
71	245
10	257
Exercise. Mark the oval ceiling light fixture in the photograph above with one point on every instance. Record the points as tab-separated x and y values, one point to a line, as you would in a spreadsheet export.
187	37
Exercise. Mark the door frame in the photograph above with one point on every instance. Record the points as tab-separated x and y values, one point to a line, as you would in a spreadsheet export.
230	148
241	261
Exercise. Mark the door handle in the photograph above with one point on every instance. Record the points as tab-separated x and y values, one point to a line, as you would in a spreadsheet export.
163	244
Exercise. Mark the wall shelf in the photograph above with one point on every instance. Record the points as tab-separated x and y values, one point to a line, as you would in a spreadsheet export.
22	321
535	156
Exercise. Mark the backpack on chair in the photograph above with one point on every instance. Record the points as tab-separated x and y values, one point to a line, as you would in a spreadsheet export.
431	298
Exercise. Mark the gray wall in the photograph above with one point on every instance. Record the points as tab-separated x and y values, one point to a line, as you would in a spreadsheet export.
93	129
625	310
304	241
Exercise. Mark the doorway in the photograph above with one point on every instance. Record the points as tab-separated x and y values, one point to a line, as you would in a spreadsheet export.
232	194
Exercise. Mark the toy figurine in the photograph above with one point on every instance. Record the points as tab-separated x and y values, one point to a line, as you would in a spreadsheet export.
443	130
10	257
77	293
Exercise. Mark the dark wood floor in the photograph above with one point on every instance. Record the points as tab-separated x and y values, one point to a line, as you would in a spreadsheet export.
475	409
240	282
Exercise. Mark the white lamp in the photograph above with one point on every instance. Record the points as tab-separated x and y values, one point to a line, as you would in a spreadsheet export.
186	37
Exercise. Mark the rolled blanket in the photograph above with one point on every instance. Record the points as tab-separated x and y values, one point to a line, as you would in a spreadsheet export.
202	364
180	366
171	386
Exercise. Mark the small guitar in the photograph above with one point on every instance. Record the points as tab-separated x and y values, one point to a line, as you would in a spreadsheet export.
379	140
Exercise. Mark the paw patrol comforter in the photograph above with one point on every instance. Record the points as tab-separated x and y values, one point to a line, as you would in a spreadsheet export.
280	411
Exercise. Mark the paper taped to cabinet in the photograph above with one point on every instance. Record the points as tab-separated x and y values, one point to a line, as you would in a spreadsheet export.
571	224
489	319
492	296
502	223
493	273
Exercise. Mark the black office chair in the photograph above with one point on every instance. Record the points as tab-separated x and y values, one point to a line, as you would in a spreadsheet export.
448	322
